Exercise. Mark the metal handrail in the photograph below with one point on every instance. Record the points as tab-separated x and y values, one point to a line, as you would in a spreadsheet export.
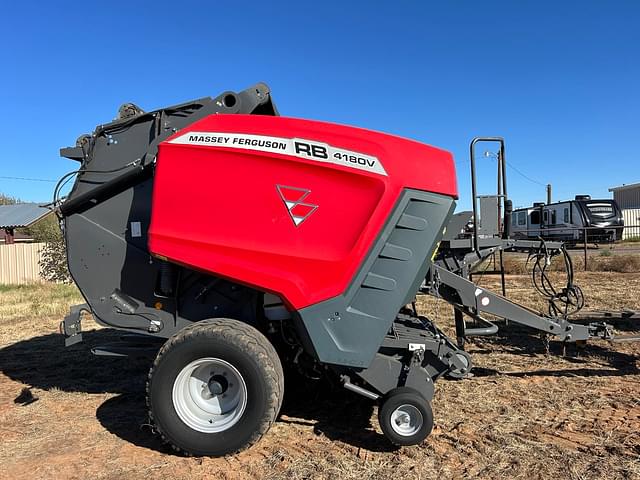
502	180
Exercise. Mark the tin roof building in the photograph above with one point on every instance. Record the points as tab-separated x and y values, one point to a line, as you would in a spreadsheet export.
628	198
19	215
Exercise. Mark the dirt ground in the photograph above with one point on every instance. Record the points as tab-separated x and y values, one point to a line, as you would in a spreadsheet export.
524	413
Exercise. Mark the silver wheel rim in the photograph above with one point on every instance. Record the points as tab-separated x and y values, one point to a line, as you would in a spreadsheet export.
406	420
209	395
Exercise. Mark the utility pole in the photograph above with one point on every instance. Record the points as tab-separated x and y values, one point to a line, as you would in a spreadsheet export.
500	193
548	193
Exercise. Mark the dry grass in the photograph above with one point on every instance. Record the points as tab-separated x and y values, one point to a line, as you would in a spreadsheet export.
21	304
517	264
524	415
36	300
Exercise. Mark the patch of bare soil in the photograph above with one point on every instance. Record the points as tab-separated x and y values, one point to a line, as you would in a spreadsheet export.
524	413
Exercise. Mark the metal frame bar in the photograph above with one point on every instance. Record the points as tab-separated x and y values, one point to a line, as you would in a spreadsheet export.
502	174
469	296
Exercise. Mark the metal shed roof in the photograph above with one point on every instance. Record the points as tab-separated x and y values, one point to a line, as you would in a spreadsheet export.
624	187
21	214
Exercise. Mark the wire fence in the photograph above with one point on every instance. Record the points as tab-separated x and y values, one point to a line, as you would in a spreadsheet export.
621	239
631	234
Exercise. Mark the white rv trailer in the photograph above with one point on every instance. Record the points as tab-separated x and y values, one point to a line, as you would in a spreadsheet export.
569	220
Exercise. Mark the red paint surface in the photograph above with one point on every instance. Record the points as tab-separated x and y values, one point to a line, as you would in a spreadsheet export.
218	209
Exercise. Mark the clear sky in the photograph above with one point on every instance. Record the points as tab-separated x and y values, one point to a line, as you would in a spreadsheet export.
559	80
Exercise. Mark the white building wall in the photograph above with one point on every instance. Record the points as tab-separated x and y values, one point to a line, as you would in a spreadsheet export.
631	222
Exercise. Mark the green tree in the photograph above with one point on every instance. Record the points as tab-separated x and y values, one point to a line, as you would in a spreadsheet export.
45	230
7	200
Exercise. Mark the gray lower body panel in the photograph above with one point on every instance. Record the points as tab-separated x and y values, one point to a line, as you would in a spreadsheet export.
348	330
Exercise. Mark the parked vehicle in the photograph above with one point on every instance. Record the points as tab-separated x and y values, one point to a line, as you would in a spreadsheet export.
568	221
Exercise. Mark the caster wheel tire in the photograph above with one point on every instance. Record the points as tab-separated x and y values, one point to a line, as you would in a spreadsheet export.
464	372
405	417
215	388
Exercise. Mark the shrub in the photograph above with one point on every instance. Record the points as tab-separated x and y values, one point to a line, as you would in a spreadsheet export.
600	263
616	263
53	264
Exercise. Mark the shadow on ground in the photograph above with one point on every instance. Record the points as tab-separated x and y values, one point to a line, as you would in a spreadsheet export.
44	363
519	340
338	414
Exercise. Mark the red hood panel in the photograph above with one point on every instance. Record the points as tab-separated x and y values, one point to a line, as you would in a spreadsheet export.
286	205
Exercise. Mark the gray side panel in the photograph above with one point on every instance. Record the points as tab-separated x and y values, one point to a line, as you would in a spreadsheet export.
348	330
489	215
457	225
105	256
107	239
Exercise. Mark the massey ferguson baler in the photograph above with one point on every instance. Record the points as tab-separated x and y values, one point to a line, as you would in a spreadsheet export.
248	240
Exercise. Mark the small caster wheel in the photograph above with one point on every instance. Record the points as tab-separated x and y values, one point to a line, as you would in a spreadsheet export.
405	417
464	372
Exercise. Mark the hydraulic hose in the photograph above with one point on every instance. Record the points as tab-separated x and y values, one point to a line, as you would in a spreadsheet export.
562	301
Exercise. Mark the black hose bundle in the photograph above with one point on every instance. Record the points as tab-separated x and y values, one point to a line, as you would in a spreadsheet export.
562	301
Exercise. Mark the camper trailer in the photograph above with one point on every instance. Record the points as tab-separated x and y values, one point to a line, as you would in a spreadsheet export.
568	221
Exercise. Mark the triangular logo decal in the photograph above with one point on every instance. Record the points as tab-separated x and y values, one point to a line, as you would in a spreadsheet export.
293	198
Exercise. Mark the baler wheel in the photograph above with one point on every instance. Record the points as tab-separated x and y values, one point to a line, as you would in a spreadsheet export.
405	416
215	388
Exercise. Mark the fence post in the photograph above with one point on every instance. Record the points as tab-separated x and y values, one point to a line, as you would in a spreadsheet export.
585	249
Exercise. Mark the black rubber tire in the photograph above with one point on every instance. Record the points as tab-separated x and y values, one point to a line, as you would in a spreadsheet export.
401	396
244	347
